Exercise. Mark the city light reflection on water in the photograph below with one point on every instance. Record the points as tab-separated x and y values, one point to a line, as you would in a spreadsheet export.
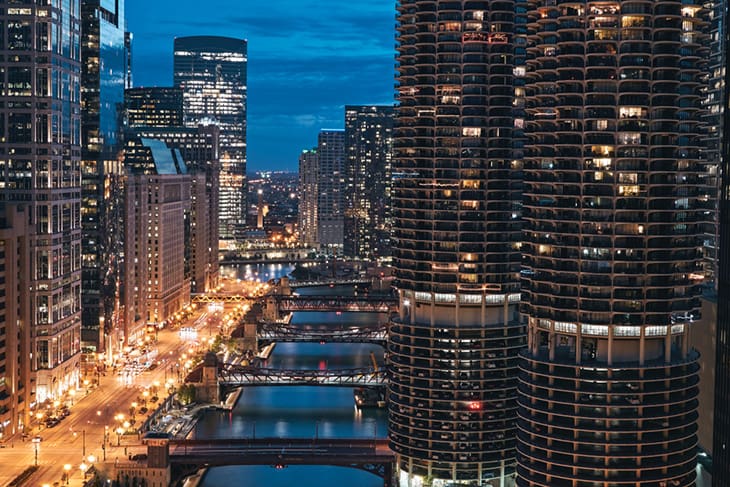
300	411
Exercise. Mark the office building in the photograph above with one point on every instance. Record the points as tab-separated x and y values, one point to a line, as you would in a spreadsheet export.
40	166
330	190
608	383
369	147
308	195
158	215
211	71
153	107
156	113
15	339
453	349
102	94
199	149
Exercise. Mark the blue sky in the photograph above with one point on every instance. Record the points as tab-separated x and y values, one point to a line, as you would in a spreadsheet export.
307	59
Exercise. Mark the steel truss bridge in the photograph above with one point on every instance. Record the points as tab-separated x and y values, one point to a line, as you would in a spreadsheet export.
236	376
371	455
382	304
328	282
219	298
277	332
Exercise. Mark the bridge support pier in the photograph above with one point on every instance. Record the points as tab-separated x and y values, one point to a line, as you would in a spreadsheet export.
209	389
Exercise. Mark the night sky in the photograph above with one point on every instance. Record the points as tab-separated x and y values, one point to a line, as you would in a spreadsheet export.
307	59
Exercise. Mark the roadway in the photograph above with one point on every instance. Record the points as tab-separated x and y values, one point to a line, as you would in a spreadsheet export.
92	422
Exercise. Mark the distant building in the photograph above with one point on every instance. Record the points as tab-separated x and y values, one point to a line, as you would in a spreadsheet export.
158	216
330	190
369	146
211	71
40	167
308	197
154	107
103	73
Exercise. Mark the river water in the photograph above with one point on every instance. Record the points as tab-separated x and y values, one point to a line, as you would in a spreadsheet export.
300	412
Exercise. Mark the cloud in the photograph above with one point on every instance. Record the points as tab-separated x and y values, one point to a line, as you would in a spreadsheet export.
306	60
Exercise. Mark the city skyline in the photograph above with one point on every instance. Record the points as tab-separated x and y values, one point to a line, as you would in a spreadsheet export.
340	56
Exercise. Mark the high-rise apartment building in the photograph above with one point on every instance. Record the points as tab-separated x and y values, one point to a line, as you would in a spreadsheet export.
369	147
330	190
608	383
211	71
453	349
40	167
308	195
103	71
721	439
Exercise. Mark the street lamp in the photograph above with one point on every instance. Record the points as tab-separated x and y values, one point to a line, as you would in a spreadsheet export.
66	472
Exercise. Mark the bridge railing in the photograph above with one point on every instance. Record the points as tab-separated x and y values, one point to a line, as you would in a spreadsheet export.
234	375
285	333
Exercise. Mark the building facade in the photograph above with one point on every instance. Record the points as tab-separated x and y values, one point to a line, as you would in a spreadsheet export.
153	107
103	71
15	337
614	94
199	149
308	195
160	214
40	165
453	349
331	190
211	71
369	149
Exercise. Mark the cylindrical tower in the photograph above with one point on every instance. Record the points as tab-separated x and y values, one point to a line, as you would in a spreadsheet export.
454	347
608	383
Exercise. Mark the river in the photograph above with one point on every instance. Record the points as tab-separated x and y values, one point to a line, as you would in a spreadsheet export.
300	412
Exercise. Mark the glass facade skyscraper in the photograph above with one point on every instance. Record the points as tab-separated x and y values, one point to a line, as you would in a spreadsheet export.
212	74
453	349
40	166
102	97
608	383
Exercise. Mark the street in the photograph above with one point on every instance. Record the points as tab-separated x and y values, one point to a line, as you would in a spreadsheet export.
89	435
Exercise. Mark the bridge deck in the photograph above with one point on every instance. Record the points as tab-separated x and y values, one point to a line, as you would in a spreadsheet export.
249	451
234	375
276	332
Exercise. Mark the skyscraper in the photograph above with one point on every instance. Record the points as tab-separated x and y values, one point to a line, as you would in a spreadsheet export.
369	148
612	250
103	73
212	74
40	166
158	196
330	190
721	438
308	194
453	349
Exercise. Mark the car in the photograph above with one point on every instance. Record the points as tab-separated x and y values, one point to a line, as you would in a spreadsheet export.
37	439
138	456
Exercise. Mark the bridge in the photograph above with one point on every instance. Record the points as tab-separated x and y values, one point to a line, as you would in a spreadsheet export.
219	298
381	304
371	455
278	332
236	376
329	282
